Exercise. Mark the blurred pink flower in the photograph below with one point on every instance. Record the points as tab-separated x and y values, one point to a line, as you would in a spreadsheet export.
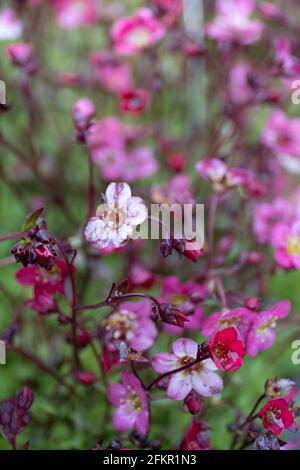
201	377
221	177
117	218
240	90
134	101
109	142
281	134
113	75
286	63
133	34
232	23
286	240
71	14
262	333
130	323
178	190
11	27
268	214
131	402
167	10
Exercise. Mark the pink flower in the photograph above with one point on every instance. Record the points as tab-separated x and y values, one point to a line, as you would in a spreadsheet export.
113	75
240	89
227	350
134	101
46	284
282	135
262	333
216	171
241	318
71	14
131	402
109	142
196	437
20	54
287	64
201	377
187	297
133	34
233	24
130	323
140	164
177	190
11	27
82	112
268	214
117	218
286	241
276	416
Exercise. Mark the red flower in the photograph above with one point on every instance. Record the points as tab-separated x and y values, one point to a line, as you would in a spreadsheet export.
134	101
276	416
196	437
227	350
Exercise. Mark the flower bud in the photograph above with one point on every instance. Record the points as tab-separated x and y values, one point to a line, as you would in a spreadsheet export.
24	398
87	378
20	54
177	161
82	112
193	403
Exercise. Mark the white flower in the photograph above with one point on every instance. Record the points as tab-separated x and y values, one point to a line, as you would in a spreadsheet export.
11	27
117	218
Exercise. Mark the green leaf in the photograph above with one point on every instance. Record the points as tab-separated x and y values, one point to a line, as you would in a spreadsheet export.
31	219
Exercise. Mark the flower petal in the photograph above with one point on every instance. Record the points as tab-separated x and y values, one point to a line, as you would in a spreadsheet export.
185	347
179	386
117	194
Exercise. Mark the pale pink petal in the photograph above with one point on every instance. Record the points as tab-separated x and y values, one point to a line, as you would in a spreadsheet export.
137	212
185	347
117	194
206	382
179	386
124	418
164	362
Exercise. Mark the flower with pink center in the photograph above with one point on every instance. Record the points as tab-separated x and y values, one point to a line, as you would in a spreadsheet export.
133	34
276	416
233	24
110	73
227	350
200	377
117	218
216	171
240	318
186	297
268	214
71	14
262	333
131	401
286	242
11	27
130	323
